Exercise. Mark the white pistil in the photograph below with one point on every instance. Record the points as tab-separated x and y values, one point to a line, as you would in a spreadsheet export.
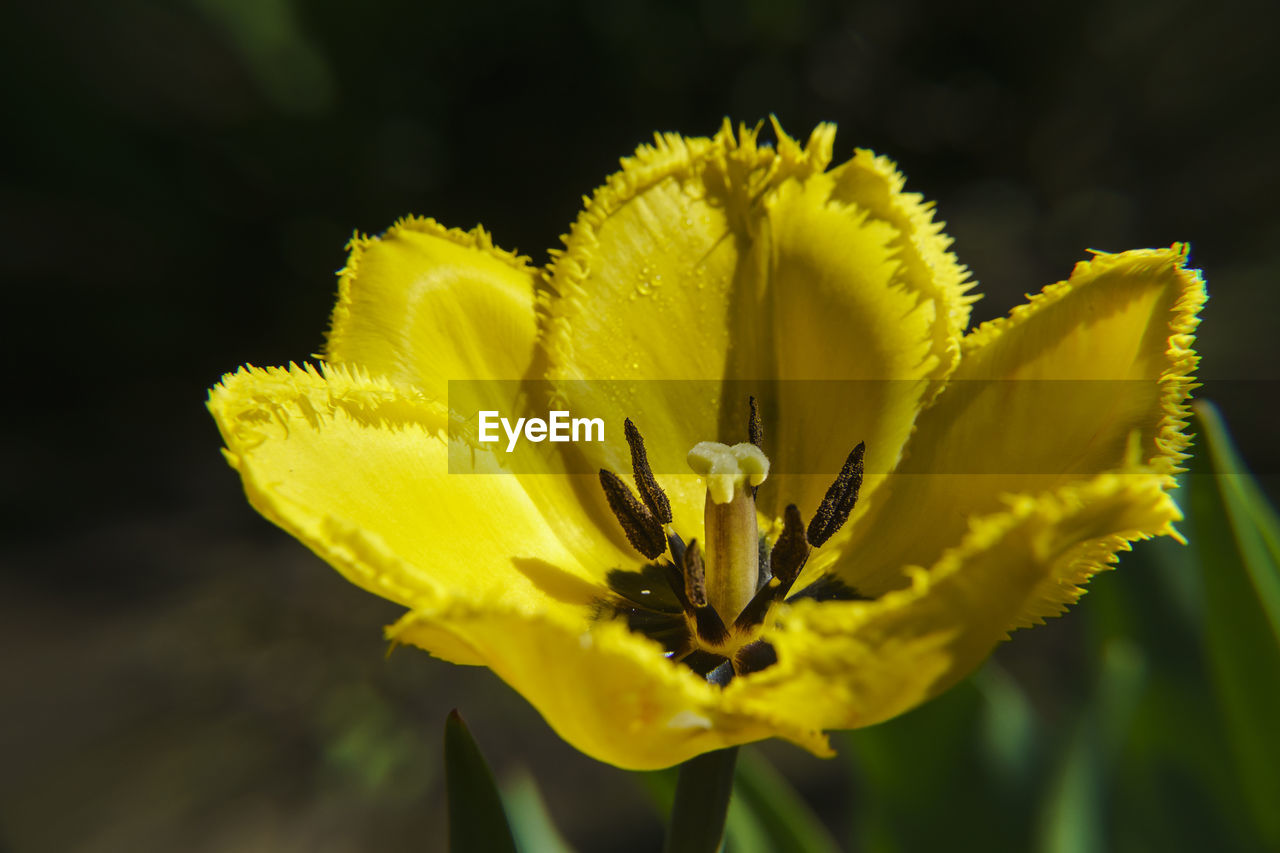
731	533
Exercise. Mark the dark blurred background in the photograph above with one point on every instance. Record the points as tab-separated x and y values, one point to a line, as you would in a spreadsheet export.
179	180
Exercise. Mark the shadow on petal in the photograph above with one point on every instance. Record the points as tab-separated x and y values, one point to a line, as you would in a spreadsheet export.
557	583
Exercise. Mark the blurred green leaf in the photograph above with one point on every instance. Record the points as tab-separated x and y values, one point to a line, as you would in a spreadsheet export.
1072	810
743	831
938	759
1008	728
531	823
1172	784
1233	532
477	821
782	816
1074	816
1253	521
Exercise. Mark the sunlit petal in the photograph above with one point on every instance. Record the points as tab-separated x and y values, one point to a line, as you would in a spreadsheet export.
359	471
423	304
1092	375
851	664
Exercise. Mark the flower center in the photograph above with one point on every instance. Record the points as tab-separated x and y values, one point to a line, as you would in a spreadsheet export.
709	612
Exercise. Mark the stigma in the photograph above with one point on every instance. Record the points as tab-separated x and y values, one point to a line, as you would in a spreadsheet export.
732	475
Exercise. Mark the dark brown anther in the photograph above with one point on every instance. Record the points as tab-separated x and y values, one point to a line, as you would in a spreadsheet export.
755	433
754	657
839	500
644	532
791	550
786	560
707	623
677	546
755	429
709	626
650	492
695	575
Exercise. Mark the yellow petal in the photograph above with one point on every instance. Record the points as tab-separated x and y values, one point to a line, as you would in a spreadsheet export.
852	664
359	470
608	692
712	259
1092	375
423	304
865	299
429	308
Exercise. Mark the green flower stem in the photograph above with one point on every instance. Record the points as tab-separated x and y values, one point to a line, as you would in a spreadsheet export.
702	800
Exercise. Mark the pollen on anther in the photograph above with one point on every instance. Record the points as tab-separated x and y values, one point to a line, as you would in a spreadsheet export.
791	551
695	579
643	531
839	500
650	492
755	428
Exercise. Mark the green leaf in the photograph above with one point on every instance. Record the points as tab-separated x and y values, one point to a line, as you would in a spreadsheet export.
1233	532
531	823
1008	725
743	831
783	817
701	802
477	821
1074	818
937	757
1253	521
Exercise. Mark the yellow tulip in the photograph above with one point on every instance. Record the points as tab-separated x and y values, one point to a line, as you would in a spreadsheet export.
1003	466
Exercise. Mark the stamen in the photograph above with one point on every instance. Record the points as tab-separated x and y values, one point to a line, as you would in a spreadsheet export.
758	607
695	576
754	657
643	530
762	562
677	546
650	492
839	500
709	626
706	621
790	552
787	559
755	432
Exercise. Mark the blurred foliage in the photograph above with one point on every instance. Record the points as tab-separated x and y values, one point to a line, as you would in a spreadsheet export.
1170	743
534	828
1237	548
